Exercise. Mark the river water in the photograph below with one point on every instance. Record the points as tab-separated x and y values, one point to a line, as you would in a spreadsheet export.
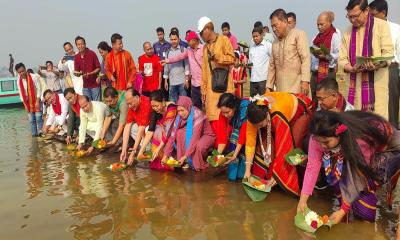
46	194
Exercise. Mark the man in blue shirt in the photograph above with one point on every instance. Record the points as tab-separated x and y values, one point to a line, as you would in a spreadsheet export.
162	45
177	73
160	49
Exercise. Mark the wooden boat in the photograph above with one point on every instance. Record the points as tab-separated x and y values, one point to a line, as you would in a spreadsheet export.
9	91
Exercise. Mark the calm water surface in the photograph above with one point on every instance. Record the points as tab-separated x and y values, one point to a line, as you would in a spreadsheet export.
48	195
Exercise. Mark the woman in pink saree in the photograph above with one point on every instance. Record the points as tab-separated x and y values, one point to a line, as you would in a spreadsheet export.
192	136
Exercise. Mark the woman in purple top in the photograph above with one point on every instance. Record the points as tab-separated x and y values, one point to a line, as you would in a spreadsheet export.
359	152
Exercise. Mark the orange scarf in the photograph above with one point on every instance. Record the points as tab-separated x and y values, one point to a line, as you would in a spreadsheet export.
29	99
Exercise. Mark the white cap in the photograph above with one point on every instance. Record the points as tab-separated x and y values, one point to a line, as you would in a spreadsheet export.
203	21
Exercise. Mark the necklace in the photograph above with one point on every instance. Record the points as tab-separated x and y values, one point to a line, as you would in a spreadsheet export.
266	154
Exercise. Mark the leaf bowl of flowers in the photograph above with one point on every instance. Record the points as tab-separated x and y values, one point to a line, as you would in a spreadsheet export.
172	162
216	159
118	166
310	221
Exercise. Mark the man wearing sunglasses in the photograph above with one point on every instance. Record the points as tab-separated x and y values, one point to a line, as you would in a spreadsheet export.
366	83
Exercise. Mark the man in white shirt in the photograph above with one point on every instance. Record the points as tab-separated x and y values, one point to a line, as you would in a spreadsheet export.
92	115
58	111
267	35
52	77
379	8
259	55
30	92
323	66
66	64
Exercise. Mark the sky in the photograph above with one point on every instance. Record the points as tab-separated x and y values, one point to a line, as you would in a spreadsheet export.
34	31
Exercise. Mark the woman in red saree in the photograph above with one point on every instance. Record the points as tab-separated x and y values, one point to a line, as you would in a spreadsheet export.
277	123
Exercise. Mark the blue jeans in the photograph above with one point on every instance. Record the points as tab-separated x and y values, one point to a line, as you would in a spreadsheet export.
94	94
36	121
176	91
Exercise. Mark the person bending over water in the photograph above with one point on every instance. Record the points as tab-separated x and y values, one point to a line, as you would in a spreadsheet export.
192	136
279	120
360	152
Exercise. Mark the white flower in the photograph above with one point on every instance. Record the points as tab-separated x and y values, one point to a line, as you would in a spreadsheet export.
261	98
313	216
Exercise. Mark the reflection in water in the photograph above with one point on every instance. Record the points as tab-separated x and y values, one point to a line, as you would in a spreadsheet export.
81	199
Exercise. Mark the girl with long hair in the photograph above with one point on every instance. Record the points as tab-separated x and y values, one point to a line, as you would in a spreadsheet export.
104	49
359	152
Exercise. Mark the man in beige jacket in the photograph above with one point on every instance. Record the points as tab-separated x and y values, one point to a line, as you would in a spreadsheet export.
366	85
289	66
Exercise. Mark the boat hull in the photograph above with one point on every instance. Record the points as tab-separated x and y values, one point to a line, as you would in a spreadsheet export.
9	93
10	99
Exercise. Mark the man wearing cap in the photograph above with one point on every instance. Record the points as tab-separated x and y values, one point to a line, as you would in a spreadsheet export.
217	53
195	56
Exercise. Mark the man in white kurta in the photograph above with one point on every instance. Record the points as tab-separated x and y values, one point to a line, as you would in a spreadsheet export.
66	64
290	62
92	115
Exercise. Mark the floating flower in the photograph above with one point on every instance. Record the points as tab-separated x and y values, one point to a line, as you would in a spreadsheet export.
117	166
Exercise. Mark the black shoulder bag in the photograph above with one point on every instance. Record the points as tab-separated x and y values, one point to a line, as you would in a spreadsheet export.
219	77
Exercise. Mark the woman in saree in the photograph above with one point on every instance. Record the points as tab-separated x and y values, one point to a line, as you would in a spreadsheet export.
160	128
192	136
231	135
359	152
104	49
276	124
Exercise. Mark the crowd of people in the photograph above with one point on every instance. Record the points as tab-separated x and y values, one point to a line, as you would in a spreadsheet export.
185	98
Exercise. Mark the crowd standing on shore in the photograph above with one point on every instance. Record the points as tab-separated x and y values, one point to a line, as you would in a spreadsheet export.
337	100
